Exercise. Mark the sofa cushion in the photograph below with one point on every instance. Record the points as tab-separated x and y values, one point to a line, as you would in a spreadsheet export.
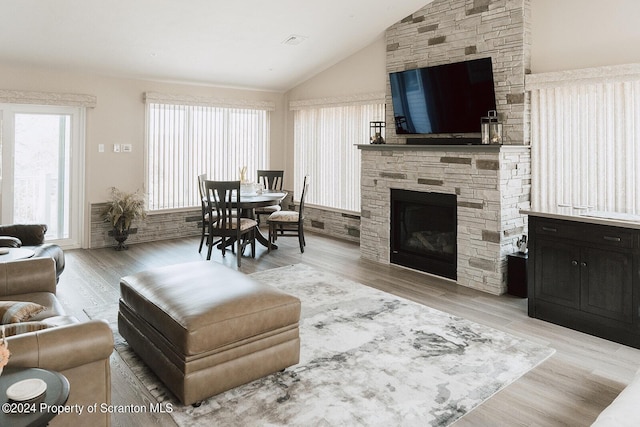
18	311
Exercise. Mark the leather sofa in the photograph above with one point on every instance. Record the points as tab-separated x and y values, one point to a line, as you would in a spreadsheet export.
623	411
31	236
78	350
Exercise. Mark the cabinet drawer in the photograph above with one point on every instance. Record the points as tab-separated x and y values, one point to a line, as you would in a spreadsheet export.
559	229
613	237
608	236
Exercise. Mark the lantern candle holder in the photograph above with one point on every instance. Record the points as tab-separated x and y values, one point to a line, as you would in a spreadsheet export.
491	128
376	132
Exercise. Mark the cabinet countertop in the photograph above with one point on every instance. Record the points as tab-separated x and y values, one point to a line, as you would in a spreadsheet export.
613	219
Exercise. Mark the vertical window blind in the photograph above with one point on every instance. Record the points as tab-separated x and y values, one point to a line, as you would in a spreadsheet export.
585	140
325	136
184	141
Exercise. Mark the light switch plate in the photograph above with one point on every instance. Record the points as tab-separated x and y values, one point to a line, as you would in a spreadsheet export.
126	148
116	148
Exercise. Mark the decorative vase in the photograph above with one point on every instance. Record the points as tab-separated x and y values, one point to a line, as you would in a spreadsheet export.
522	244
121	237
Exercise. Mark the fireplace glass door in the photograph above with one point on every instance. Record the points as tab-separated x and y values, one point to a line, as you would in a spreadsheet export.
424	231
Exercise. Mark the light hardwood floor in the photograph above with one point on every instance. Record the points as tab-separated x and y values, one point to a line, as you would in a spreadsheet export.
569	389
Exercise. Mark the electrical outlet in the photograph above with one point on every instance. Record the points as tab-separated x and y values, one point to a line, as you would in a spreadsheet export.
116	148
126	148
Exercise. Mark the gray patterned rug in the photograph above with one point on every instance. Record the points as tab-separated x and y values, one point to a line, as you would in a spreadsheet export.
367	358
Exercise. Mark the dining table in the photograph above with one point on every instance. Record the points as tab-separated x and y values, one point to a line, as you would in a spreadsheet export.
248	203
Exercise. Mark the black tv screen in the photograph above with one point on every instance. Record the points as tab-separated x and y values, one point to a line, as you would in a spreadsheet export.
448	98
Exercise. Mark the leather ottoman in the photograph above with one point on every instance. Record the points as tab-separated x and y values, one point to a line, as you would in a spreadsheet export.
204	328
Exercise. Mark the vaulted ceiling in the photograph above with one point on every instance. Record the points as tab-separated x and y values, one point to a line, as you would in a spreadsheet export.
227	43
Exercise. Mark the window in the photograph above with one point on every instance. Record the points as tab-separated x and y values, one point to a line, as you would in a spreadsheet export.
185	140
324	141
42	168
584	142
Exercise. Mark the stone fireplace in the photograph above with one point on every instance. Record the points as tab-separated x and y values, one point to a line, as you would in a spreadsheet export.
491	184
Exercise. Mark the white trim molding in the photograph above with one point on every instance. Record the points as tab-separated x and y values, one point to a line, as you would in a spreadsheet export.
357	99
606	74
204	101
47	98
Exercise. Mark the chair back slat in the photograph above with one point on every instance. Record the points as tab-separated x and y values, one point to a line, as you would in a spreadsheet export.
201	179
271	179
220	196
305	187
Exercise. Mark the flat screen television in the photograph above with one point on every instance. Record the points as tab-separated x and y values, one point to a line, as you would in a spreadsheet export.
443	99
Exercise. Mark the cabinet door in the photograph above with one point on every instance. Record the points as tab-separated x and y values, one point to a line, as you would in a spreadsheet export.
607	283
557	272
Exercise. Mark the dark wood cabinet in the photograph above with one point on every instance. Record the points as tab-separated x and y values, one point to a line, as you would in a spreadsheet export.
607	283
557	276
585	276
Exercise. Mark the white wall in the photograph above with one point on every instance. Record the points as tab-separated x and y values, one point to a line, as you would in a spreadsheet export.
119	119
574	34
361	73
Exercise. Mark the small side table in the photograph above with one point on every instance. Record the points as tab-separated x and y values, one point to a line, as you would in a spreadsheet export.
18	414
517	274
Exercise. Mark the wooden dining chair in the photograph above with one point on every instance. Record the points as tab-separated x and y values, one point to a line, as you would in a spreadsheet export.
221	199
205	213
289	223
270	180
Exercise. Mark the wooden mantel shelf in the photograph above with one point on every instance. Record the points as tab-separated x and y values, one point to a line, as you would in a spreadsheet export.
408	147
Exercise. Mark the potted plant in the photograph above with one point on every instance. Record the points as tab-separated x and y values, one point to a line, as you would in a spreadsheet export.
123	208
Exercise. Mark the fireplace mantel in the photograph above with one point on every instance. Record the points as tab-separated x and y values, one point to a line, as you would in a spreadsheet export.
490	148
492	184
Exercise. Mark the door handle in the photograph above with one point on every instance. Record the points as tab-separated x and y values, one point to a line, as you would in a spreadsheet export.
551	229
612	239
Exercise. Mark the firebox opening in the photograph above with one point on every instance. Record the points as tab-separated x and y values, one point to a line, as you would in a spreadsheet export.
424	231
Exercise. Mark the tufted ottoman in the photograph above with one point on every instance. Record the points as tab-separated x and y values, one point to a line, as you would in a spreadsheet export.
204	328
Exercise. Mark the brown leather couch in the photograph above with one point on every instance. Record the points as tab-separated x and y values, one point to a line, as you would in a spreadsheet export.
78	350
31	236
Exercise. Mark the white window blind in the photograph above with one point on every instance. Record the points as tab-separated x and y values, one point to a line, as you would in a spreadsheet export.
585	140
184	141
324	143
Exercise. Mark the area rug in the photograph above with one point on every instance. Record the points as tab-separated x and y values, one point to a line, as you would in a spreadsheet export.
367	358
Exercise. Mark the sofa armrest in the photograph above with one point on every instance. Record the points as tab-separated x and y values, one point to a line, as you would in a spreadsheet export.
62	347
27	276
29	234
10	242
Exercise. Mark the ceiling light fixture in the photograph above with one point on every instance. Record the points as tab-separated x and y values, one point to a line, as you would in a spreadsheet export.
294	40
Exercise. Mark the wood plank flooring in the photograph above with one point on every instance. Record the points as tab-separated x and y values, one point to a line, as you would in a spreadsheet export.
569	389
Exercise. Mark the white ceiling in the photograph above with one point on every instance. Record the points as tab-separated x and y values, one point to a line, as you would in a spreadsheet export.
235	43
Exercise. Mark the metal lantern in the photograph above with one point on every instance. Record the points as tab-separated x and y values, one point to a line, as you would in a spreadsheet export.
376	132
491	128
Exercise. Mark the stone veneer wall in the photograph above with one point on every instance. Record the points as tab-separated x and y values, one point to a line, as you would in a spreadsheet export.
492	184
447	31
175	225
156	227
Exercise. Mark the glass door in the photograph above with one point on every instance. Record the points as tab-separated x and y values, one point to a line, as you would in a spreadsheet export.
40	182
